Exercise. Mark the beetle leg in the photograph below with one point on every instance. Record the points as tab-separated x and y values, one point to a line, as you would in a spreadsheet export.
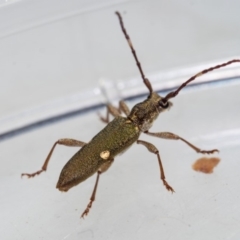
115	111
110	110
103	168
172	136
151	148
64	141
124	108
86	211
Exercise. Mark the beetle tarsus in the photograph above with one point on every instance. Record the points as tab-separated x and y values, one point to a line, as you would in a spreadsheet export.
31	175
168	187
86	211
208	151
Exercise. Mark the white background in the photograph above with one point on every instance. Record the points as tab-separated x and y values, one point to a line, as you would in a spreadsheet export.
52	49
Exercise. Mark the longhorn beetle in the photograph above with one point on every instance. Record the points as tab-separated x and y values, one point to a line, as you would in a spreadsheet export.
97	155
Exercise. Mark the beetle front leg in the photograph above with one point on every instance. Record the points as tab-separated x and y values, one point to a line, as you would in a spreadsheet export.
110	110
115	111
64	141
151	148
124	108
172	136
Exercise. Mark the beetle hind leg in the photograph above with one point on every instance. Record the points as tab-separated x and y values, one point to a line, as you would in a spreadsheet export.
102	169
92	199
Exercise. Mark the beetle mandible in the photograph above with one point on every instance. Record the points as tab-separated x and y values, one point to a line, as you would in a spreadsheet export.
97	155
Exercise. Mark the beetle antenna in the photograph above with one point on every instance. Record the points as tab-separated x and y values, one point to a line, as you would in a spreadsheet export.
145	80
175	93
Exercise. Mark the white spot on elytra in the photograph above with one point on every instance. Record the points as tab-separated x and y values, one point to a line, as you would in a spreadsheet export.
105	155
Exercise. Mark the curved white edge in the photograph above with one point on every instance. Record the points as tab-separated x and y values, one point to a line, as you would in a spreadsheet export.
111	91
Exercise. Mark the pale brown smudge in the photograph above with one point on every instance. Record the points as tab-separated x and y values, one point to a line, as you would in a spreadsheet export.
205	165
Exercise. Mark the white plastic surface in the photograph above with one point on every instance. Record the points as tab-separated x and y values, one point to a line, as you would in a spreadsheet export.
132	202
52	49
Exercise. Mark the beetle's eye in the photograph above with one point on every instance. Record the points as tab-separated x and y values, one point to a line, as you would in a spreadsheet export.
163	104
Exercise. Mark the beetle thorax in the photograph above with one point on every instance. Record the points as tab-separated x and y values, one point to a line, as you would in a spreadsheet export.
145	113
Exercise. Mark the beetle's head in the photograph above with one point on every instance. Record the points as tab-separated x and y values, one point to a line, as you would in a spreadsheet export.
145	113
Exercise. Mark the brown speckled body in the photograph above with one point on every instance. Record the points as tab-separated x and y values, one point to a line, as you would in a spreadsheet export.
87	160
